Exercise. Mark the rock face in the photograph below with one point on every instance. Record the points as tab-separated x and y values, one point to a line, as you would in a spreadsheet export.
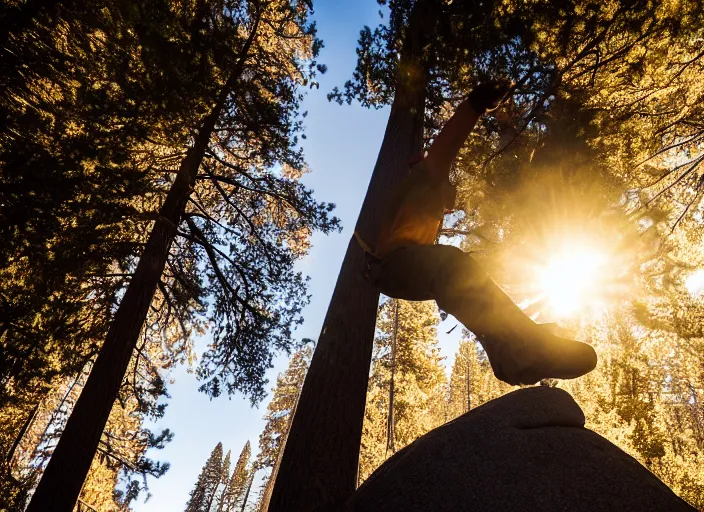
525	451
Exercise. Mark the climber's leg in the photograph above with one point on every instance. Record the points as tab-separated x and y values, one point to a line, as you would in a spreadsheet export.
520	351
407	273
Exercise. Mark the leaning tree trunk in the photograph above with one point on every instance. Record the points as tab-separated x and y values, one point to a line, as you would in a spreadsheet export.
390	420
468	381
318	470
266	497
249	488
69	464
61	482
18	438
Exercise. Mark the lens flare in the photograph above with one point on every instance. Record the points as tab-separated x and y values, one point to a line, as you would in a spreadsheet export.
570	280
695	283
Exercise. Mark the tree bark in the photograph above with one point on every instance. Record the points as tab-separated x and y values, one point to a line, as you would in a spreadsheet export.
318	470
61	483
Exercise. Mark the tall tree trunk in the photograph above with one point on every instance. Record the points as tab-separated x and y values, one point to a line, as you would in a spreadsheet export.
318	470
77	381
70	462
390	420
249	488
18	438
61	482
468	381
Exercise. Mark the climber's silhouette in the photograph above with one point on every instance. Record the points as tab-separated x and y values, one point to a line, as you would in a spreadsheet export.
406	264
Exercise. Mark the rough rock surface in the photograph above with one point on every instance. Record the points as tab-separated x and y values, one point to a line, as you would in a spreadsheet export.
525	451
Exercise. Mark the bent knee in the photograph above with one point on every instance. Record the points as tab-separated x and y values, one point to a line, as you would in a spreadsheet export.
459	273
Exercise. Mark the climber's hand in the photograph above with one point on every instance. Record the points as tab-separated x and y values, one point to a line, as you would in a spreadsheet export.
487	96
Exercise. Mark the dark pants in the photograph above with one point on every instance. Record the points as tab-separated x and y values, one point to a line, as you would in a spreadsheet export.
520	352
457	283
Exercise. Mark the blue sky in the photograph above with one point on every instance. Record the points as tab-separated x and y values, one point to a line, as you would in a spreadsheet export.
341	148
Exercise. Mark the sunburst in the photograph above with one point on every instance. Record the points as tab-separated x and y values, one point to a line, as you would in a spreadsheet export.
571	280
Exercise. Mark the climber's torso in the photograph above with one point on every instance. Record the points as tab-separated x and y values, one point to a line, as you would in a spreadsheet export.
415	213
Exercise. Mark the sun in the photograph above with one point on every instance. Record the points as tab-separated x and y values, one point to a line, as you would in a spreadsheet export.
695	283
570	280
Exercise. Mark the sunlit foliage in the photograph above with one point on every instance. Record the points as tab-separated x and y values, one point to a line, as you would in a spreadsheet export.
278	418
416	404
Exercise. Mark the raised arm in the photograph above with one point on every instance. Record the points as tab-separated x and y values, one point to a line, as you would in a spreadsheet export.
444	149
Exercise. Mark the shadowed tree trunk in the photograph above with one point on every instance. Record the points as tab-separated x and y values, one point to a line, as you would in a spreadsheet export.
70	462
63	478
318	470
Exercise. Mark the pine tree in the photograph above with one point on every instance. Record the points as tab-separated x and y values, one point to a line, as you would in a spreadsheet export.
463	380
654	379
345	344
245	499
417	376
280	411
220	494
283	401
203	494
75	116
233	494
226	192
472	382
124	442
71	183
78	184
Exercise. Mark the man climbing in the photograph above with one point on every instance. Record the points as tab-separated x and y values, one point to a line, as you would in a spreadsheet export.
408	265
